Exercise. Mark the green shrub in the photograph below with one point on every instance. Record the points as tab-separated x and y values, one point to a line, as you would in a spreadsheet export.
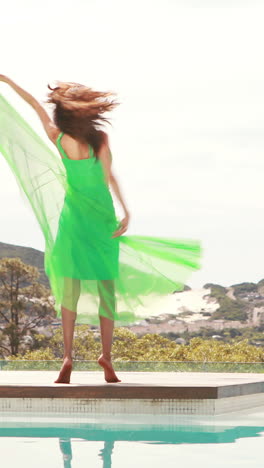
230	310
244	288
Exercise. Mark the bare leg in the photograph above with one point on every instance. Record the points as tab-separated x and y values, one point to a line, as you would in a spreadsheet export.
104	360
68	322
106	314
70	299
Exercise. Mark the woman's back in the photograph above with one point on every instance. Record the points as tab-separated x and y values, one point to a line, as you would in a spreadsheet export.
83	173
73	148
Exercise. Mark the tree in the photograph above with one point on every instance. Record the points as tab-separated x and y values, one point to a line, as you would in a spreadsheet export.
24	303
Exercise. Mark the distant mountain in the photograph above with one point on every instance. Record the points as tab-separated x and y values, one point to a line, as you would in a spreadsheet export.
214	310
28	255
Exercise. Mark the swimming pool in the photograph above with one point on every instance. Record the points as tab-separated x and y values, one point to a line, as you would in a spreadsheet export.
104	441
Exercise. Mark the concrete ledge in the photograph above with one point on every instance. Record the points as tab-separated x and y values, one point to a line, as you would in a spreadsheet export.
112	391
138	393
239	389
134	385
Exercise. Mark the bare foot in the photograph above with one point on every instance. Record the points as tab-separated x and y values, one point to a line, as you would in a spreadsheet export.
110	375
65	372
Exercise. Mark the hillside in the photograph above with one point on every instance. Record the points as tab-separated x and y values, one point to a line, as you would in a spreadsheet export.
212	311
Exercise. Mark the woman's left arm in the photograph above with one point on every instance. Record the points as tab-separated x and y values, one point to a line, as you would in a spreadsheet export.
51	130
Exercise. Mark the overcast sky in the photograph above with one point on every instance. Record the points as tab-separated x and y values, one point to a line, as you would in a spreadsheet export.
188	138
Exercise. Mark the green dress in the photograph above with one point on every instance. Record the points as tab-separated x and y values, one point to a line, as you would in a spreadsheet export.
122	278
84	247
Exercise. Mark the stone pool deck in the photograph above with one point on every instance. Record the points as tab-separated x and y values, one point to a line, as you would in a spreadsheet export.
160	392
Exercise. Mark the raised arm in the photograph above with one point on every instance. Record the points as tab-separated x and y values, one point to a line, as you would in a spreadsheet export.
51	130
105	157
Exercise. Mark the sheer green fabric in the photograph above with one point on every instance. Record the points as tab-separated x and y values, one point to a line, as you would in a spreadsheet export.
89	271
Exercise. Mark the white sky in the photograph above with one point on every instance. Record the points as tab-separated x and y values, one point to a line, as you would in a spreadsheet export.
187	140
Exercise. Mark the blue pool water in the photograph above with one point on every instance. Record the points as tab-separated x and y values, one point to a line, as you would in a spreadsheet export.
53	441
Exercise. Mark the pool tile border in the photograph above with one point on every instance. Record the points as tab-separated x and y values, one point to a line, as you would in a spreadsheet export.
131	406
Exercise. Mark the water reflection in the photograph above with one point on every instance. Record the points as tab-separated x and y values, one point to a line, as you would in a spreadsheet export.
65	446
149	435
106	434
105	453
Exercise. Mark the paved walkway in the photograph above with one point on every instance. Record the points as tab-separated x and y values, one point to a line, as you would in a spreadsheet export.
167	379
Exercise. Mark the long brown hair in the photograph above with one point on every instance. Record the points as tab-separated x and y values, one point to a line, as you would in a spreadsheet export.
79	111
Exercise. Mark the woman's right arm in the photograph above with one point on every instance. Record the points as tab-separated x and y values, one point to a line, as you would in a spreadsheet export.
105	157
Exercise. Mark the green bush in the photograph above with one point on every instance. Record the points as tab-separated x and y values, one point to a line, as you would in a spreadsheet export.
215	288
230	310
244	288
128	348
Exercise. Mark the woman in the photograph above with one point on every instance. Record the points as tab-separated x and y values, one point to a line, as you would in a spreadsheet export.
78	112
88	260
